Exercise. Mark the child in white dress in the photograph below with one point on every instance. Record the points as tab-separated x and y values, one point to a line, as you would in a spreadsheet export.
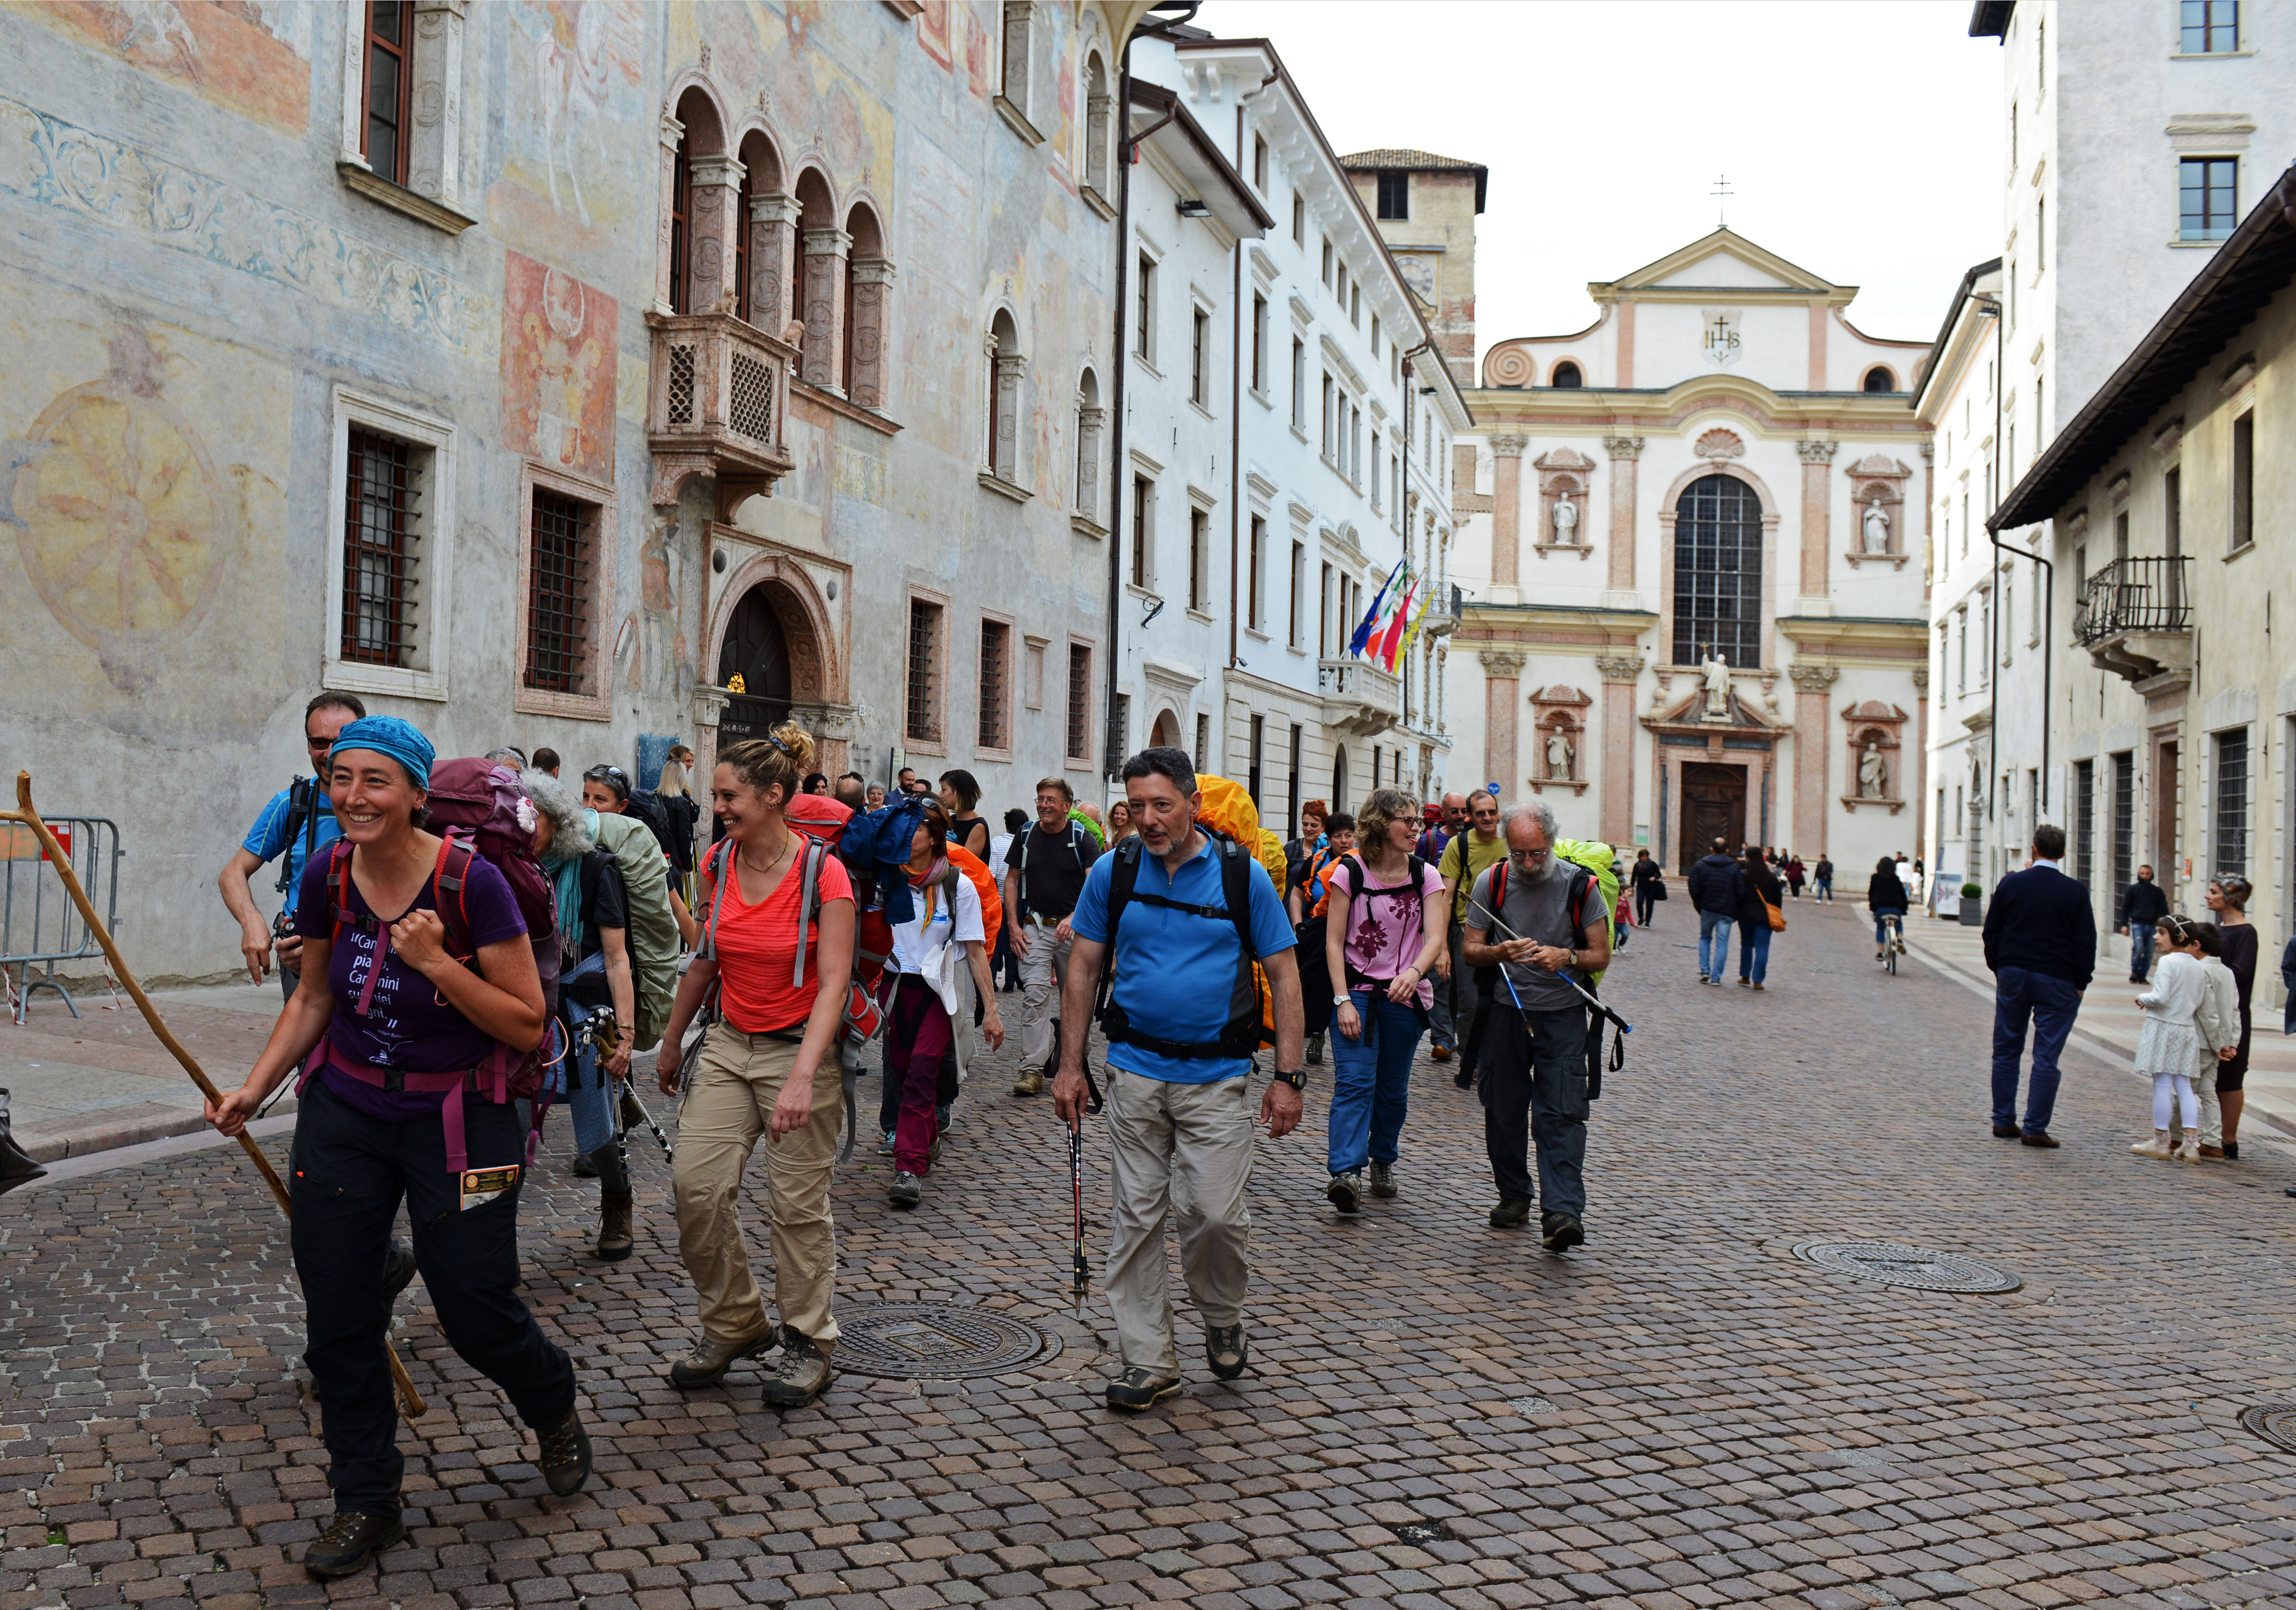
2169	1049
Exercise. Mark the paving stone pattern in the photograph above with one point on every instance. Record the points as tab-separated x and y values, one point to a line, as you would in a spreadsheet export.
1727	1425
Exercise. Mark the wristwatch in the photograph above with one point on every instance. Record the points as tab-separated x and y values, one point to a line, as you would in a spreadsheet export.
1341	999
1296	1078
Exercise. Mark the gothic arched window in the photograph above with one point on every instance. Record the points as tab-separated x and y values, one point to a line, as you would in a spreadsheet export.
1717	572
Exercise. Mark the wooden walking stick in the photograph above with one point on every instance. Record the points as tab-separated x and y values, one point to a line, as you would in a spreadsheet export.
410	1401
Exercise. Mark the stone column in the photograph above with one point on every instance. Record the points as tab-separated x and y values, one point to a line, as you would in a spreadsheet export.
824	304
433	167
872	302
1502	693
1813	744
1917	796
1010	367
1090	424
773	261
1929	520
1621	673
1816	526
1626	460
672	134
1506	509
713	198
708	704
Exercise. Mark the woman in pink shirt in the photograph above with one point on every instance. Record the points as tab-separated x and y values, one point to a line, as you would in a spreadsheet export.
1384	937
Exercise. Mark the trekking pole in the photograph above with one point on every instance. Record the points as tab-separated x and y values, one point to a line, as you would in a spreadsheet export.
410	1401
634	1111
1083	1281
1617	1022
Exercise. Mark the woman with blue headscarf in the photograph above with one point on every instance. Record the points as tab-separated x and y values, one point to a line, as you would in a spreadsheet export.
397	1029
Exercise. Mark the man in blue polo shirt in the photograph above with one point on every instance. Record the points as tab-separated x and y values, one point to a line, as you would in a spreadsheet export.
297	828
1182	1024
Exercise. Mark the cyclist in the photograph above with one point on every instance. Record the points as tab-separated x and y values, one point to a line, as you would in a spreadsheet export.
1885	897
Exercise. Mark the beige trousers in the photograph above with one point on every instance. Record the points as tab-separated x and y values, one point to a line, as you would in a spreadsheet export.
1043	971
1183	1152
729	1100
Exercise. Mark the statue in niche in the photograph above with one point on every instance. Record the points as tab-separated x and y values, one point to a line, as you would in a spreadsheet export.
1716	673
1560	757
1873	772
1566	521
1877	529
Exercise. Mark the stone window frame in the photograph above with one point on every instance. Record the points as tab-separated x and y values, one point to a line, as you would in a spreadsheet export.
436	99
1004	373
1016	68
605	593
936	745
1085	518
437	438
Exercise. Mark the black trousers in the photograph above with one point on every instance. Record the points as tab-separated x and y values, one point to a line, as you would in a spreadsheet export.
1644	903
1534	1087
349	1172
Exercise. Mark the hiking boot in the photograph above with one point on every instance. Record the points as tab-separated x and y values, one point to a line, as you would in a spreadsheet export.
1510	1212
1139	1388
800	1375
1562	1232
614	1237
584	1169
1031	1082
565	1456
1345	1192
907	1190
1225	1350
1315	1051
1383	1179
347	1542
710	1361
398	1271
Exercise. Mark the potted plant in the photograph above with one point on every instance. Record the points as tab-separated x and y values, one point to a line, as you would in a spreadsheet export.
1973	913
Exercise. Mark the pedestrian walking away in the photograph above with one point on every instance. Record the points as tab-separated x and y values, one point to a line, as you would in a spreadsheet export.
1383	935
1467	857
1648	881
1758	893
1822	879
1044	870
420	1029
299	822
1167	931
941	968
1714	896
778	947
2143	904
2040	941
2228	898
1885	897
1536	1084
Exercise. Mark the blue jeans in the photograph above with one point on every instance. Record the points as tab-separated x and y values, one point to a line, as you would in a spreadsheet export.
2140	950
1882	926
1826	888
1371	1082
2050	1004
1714	942
1753	947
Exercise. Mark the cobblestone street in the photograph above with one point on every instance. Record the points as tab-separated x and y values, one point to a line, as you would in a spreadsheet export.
1679	1413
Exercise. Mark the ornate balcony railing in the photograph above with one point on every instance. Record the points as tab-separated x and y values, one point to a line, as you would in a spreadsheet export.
2133	595
717	401
1360	697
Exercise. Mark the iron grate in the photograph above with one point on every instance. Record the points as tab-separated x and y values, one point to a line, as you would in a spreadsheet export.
935	1341
1918	1268
2275	1423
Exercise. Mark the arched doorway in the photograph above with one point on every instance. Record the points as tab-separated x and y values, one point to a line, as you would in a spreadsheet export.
1717	572
756	651
1340	778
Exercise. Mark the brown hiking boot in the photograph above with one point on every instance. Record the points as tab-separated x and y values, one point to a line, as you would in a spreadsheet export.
614	1238
799	1376
1031	1082
710	1361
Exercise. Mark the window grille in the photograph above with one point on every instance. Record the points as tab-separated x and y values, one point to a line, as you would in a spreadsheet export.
1717	572
996	660
2124	822
379	552
1080	721
557	628
2084	820
923	723
2230	834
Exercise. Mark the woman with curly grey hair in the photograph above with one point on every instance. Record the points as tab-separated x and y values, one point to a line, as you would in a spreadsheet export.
2227	897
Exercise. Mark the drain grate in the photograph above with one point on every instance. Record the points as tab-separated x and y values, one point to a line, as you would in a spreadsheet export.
935	1341
1917	1267
1423	1531
2275	1423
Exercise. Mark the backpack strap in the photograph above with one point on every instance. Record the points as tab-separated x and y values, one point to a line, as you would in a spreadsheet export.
807	902
450	897
301	817
713	864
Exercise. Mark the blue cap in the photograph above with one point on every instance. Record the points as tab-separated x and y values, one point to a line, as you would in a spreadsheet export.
401	740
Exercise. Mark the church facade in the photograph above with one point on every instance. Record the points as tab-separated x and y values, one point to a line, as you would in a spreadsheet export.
1693	576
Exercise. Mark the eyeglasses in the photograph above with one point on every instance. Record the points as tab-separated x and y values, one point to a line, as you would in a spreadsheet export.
318	745
1529	858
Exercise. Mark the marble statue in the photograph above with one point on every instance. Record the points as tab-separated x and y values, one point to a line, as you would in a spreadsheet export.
1872	773
1566	521
1877	529
1716	676
1560	755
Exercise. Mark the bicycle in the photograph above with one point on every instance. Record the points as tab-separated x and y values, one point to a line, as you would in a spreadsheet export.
1894	946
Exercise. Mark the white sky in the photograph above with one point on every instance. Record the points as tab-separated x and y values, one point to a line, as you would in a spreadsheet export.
1861	139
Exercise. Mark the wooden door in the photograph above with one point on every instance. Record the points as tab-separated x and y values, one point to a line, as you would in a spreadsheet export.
1713	806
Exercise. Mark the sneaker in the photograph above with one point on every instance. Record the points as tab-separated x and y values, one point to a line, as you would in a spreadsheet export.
398	1271
1744	982
1383	1180
907	1190
565	1454
710	1361
1510	1214
943	1119
799	1376
1345	1192
885	1146
932	1152
1562	1232
1315	1051
1702	979
1138	1388
347	1542
1440	1053
2157	1147
1225	1350
1031	1082
2190	1151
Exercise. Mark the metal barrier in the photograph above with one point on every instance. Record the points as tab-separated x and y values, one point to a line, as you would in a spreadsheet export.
38	923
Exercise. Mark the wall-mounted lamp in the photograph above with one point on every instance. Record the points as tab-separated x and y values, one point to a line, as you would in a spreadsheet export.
1195	210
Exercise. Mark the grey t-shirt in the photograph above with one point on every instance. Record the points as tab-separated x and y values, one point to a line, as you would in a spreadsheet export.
1536	908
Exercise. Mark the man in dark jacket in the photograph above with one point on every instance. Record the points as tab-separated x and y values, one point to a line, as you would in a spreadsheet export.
2142	905
2040	941
1714	895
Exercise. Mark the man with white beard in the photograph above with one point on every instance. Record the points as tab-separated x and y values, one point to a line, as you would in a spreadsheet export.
1547	917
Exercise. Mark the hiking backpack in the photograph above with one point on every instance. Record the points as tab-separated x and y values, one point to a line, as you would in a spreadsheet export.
649	807
483	806
653	931
1246	1030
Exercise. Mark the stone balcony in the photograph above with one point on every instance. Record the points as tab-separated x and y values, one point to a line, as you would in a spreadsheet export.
716	400
2134	618
1359	698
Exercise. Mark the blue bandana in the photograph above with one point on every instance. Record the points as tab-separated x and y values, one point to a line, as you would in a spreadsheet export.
388	735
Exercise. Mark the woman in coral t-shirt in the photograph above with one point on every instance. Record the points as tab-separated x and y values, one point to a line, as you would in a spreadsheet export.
757	1071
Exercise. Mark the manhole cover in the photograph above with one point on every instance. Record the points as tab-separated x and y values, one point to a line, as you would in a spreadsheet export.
2275	1423
1891	1264
1423	1531
935	1341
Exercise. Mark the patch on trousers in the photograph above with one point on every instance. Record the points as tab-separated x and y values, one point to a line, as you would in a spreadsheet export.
481	1186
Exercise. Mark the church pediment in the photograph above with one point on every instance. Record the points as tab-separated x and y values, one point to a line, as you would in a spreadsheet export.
1722	260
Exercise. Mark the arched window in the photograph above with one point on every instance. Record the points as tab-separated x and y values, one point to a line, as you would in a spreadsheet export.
868	298
702	187
1089	418
1880	379
1717	572
1004	410
681	229
1099	120
765	223
1340	778
1566	377
822	299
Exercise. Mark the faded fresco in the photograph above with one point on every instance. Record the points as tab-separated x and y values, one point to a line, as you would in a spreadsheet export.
659	651
574	87
252	57
558	368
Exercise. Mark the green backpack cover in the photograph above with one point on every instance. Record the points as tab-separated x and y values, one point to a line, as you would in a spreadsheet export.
1597	858
653	929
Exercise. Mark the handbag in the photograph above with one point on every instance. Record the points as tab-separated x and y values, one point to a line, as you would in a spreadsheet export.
1778	917
1657	886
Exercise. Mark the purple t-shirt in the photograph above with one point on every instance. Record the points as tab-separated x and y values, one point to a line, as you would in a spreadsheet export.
408	1025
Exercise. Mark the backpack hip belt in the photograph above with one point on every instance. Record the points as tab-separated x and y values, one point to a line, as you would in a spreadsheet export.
448	1082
